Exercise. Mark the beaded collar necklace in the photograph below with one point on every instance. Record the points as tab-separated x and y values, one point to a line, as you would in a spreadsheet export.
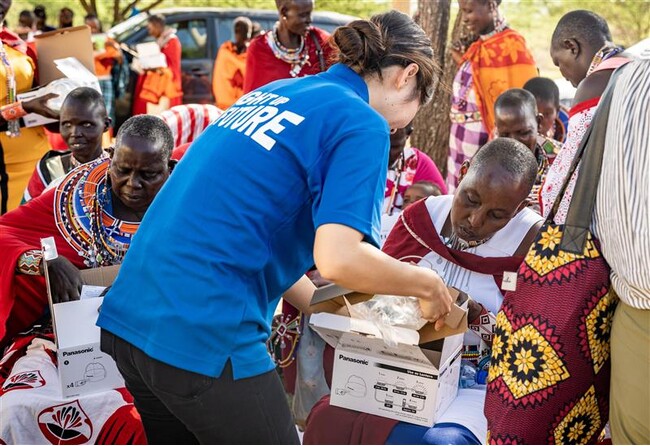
608	50
500	25
296	57
74	162
83	215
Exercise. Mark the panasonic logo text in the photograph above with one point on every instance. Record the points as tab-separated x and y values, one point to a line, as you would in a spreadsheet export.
78	352
357	361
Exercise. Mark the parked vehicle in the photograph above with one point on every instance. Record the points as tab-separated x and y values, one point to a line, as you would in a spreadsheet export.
201	32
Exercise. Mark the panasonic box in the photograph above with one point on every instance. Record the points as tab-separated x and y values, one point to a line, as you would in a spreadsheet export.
83	367
414	382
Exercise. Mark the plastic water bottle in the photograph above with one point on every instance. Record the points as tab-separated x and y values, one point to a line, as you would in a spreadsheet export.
467	374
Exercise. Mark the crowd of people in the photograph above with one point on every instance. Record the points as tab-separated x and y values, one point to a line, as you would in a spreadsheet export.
301	174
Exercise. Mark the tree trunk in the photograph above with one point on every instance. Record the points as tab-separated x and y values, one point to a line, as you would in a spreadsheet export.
431	124
116	12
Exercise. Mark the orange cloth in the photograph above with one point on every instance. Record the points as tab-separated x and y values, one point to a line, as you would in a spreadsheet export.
149	87
498	63
105	59
228	78
158	83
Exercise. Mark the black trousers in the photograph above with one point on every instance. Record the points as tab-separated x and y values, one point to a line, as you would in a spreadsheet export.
182	407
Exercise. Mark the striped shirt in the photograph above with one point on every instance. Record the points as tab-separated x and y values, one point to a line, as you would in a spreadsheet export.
622	213
189	120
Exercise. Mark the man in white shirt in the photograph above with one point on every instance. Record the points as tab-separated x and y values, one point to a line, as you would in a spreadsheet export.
621	222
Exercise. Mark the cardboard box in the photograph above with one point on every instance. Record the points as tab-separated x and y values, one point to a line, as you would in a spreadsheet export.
334	299
62	43
415	381
83	367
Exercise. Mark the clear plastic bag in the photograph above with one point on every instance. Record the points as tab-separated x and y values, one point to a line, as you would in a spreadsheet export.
388	312
310	375
62	87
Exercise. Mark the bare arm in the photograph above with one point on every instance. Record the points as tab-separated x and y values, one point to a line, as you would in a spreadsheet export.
592	86
342	257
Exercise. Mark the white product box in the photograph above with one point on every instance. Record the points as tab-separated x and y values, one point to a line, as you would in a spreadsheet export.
83	367
406	383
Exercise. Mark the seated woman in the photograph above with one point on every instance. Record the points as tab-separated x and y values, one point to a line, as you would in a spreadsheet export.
82	122
471	239
92	215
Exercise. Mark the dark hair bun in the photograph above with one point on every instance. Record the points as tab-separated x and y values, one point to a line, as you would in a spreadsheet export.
360	45
388	39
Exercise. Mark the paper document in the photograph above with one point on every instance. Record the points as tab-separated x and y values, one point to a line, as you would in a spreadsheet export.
149	56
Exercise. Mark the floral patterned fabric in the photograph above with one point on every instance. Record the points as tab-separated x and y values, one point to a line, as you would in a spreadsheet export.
548	381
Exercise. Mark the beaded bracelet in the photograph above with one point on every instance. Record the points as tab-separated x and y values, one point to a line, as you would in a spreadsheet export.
30	262
12	111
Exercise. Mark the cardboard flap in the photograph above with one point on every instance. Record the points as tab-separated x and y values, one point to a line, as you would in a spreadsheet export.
334	299
67	42
104	276
327	293
455	322
75	322
334	326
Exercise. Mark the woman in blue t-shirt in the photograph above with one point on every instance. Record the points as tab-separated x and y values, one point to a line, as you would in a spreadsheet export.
291	175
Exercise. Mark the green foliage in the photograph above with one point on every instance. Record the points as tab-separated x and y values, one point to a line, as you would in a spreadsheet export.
360	8
629	20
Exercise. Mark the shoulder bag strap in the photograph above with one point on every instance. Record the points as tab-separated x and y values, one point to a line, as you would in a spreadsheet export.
578	221
319	49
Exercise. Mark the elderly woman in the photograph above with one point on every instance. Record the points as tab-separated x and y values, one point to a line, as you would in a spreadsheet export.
497	60
470	239
293	48
92	214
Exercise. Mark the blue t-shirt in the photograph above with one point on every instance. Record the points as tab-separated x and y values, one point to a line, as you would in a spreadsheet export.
233	228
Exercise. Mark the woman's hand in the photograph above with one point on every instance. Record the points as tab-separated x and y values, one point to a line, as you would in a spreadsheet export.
457	50
435	300
39	106
343	258
65	280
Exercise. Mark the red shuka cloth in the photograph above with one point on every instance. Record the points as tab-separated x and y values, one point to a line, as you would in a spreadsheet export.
263	67
23	298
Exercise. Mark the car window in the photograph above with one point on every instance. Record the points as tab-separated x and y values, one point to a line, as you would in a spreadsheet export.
225	28
193	35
